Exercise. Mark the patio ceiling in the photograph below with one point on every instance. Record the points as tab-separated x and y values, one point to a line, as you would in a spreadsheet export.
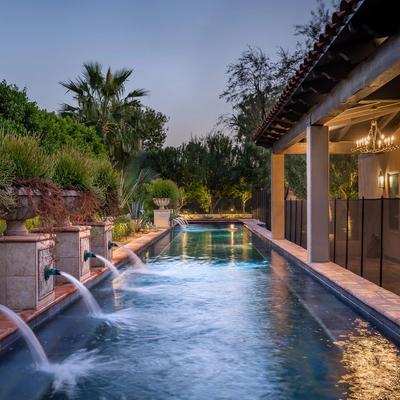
365	111
355	33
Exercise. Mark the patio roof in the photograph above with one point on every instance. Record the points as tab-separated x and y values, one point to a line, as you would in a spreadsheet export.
355	32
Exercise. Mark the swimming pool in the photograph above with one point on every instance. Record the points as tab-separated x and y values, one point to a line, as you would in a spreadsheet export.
216	315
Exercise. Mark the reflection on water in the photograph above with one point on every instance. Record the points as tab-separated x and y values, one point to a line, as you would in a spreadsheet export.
372	365
210	318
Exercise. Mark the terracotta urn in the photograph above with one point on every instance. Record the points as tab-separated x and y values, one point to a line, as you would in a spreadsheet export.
161	202
27	203
72	202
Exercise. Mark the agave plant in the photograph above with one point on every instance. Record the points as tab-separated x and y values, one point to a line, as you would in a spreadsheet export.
131	187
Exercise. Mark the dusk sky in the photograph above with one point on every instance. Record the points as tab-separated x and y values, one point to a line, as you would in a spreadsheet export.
178	49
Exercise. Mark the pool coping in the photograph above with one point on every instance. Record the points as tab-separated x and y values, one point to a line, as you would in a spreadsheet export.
372	302
66	294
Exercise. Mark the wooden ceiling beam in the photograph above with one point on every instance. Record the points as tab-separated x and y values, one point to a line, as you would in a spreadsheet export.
355	116
334	148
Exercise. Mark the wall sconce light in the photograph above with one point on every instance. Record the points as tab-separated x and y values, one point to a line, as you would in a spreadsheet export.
381	180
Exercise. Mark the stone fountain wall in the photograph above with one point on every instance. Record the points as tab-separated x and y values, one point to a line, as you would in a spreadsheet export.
71	242
23	262
101	234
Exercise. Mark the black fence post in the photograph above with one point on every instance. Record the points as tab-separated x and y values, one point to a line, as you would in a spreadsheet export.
286	218
381	252
334	230
266	207
301	223
347	232
362	238
295	221
269	210
290	223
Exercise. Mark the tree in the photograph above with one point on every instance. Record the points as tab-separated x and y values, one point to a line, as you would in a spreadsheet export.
167	162
102	102
213	167
310	31
243	191
23	117
256	79
253	164
295	175
251	89
255	82
343	176
198	194
221	158
154	129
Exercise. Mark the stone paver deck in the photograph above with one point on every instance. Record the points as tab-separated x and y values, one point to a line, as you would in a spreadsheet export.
377	301
66	293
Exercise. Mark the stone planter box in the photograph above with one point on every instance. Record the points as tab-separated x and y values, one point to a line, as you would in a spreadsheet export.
23	262
162	218
100	235
71	243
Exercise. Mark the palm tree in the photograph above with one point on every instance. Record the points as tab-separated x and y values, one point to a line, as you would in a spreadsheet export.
101	102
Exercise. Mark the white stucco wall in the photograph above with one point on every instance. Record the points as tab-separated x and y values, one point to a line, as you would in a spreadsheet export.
369	167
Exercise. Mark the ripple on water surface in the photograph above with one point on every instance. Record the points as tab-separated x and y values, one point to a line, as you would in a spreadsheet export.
209	318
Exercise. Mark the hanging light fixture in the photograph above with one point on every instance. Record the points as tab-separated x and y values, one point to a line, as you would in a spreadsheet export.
375	141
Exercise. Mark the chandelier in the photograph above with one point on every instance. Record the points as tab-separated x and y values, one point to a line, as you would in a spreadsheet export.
375	141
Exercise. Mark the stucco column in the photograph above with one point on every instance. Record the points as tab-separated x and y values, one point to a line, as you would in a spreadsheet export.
318	193
278	196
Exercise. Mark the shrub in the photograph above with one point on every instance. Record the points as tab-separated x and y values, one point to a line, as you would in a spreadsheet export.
105	186
7	199
72	170
32	223
24	158
122	227
163	188
104	175
7	173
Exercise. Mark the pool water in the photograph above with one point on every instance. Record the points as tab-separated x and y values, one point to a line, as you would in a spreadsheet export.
216	315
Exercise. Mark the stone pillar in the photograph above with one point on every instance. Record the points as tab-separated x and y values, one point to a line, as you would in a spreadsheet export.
71	243
23	262
100	235
162	218
318	193
278	196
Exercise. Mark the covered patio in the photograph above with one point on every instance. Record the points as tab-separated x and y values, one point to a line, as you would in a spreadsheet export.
344	99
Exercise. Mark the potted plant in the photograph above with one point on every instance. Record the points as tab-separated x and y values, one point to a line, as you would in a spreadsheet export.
25	187
72	172
163	191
